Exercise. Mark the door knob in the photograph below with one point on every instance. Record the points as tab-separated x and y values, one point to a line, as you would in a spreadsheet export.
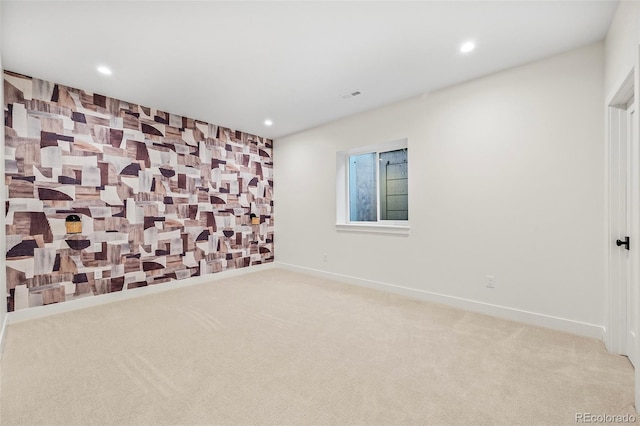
624	243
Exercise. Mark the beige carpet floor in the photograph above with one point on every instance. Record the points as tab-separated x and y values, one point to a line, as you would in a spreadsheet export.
280	348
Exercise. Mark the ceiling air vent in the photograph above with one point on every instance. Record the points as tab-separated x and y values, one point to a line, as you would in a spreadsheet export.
350	94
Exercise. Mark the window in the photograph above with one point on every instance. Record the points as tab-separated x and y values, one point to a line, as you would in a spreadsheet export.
373	188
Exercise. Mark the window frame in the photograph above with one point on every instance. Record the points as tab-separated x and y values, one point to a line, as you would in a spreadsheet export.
343	223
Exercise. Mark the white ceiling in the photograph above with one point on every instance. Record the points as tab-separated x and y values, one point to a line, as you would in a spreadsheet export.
236	63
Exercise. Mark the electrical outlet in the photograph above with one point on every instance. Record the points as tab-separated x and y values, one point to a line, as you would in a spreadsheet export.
490	281
325	257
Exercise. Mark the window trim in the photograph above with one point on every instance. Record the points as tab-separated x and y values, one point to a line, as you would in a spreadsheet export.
343	224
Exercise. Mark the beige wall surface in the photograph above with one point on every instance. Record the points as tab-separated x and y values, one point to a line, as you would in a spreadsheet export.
506	178
621	45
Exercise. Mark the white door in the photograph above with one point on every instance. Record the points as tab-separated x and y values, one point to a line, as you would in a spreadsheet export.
624	245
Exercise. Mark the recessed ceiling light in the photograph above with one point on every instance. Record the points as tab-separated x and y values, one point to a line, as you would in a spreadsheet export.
104	70
268	122
467	47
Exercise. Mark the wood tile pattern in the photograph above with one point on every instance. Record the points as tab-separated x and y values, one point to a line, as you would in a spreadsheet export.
161	197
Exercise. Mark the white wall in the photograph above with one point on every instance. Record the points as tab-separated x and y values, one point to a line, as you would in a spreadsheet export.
506	179
621	45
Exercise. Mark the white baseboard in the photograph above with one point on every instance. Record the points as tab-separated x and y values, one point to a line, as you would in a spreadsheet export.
532	318
73	305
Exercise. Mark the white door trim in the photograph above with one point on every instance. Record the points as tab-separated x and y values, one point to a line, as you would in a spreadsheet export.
616	114
616	327
633	223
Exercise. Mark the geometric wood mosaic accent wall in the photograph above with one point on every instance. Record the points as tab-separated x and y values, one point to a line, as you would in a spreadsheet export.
160	197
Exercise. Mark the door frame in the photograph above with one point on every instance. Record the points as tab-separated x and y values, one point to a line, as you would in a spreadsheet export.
615	337
616	307
633	282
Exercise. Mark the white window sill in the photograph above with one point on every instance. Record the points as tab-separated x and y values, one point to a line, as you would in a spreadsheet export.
371	228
